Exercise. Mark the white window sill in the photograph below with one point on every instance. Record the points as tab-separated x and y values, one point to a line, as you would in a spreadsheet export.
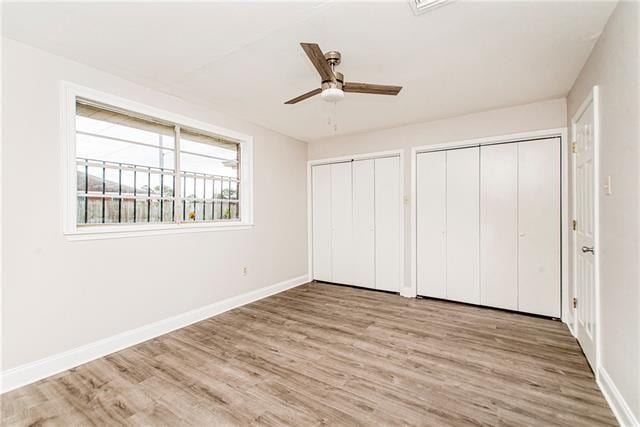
99	232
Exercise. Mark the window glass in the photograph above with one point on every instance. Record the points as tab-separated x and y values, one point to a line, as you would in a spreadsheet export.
126	170
122	162
209	174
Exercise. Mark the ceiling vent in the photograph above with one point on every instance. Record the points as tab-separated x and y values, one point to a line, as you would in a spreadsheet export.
422	6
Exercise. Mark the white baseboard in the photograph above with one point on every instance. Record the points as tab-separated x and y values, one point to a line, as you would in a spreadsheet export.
34	371
618	405
569	322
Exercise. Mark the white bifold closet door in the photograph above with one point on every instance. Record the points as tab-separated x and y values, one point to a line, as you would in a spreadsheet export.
431	211
463	227
499	226
342	223
387	223
363	268
356	214
488	225
539	227
321	222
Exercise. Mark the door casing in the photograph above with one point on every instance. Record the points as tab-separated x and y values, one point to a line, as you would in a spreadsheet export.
591	98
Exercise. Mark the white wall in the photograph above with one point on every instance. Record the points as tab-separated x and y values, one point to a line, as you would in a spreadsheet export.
537	116
58	294
614	66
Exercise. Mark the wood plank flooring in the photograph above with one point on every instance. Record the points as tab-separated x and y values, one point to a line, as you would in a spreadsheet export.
325	354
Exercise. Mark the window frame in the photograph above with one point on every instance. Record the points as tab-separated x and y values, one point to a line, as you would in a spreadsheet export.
69	94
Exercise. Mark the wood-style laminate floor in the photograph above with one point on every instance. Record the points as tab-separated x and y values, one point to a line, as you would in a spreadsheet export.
325	354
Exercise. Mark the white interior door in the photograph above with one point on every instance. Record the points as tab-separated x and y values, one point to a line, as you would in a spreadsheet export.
388	208
431	201
342	223
321	222
585	271
463	227
363	223
539	227
499	225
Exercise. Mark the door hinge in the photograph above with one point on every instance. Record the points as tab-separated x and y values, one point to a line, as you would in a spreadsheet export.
575	225
575	302
573	147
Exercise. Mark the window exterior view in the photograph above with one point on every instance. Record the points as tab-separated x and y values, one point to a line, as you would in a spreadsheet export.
134	169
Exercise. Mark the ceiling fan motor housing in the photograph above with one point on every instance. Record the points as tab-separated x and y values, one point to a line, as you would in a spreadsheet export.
333	57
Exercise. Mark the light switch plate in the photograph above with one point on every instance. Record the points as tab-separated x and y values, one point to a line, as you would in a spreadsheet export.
607	186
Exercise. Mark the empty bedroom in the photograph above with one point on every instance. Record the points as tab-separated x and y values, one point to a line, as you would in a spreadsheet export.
332	212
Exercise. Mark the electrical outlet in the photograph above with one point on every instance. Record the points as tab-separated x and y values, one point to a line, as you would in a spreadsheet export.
244	271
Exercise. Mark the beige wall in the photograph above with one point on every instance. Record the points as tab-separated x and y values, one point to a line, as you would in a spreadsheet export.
58	294
524	118
613	65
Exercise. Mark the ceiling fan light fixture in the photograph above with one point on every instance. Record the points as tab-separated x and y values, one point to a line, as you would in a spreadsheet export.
332	94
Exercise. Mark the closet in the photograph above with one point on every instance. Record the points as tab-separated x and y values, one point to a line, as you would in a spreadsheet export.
356	208
488	225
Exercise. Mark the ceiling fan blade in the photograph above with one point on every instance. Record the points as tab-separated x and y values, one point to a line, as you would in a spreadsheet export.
304	96
371	88
318	60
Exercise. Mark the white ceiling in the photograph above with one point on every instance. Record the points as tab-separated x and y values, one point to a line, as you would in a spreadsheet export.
243	58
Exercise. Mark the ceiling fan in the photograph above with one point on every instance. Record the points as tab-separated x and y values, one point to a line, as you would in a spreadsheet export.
332	85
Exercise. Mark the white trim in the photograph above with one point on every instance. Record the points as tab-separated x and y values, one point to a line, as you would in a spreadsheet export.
614	398
565	225
364	156
513	137
414	222
592	97
569	326
309	223
2	157
548	133
34	371
573	322
403	290
69	93
117	231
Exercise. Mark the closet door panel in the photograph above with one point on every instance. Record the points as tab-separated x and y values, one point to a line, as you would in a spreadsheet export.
431	199
499	226
342	223
463	228
539	227
363	223
321	222
388	206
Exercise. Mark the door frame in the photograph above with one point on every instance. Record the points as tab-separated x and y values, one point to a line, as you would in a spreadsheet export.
347	158
592	97
564	199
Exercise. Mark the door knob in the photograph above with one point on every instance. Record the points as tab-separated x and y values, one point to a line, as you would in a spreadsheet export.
587	249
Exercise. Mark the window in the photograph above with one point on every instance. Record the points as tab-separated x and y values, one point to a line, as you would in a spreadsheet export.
135	171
